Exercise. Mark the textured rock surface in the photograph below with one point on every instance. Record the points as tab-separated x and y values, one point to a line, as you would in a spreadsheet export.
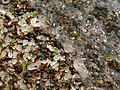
60	44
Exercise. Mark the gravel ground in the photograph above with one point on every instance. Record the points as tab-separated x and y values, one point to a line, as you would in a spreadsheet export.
59	44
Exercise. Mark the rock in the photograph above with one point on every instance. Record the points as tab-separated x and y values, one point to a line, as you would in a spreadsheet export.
108	80
5	1
48	83
14	61
81	68
16	85
67	76
57	57
22	85
10	54
25	42
31	67
18	47
1	83
14	54
100	82
2	11
9	14
57	76
38	22
118	33
3	54
68	47
22	23
51	48
3	74
55	65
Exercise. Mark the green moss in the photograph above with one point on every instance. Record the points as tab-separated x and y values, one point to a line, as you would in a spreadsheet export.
14	78
32	14
65	81
62	63
13	40
107	55
24	66
56	52
76	34
41	55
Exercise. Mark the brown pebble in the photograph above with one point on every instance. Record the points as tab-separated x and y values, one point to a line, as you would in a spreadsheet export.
100	82
16	85
11	9
109	80
3	54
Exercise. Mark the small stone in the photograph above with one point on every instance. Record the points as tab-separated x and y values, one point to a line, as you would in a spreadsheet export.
16	85
25	42
67	76
10	54
57	76
57	57
51	48
14	61
48	83
14	54
1	83
3	74
18	47
100	82
2	11
5	1
22	85
55	65
31	67
3	54
9	14
118	33
22	23
109	80
29	86
81	68
38	22
68	47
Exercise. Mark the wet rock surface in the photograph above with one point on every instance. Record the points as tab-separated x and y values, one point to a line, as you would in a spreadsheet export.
60	44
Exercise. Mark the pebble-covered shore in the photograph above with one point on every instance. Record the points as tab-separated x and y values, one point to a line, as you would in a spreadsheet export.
59	44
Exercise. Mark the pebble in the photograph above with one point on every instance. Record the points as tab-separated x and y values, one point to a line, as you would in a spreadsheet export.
54	65
2	10
18	47
51	48
38	22
1	83
5	1
67	76
3	74
22	85
3	54
68	47
10	54
22	23
57	57
109	80
48	83
16	85
31	67
9	14
100	82
118	33
14	61
15	54
81	68
25	42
